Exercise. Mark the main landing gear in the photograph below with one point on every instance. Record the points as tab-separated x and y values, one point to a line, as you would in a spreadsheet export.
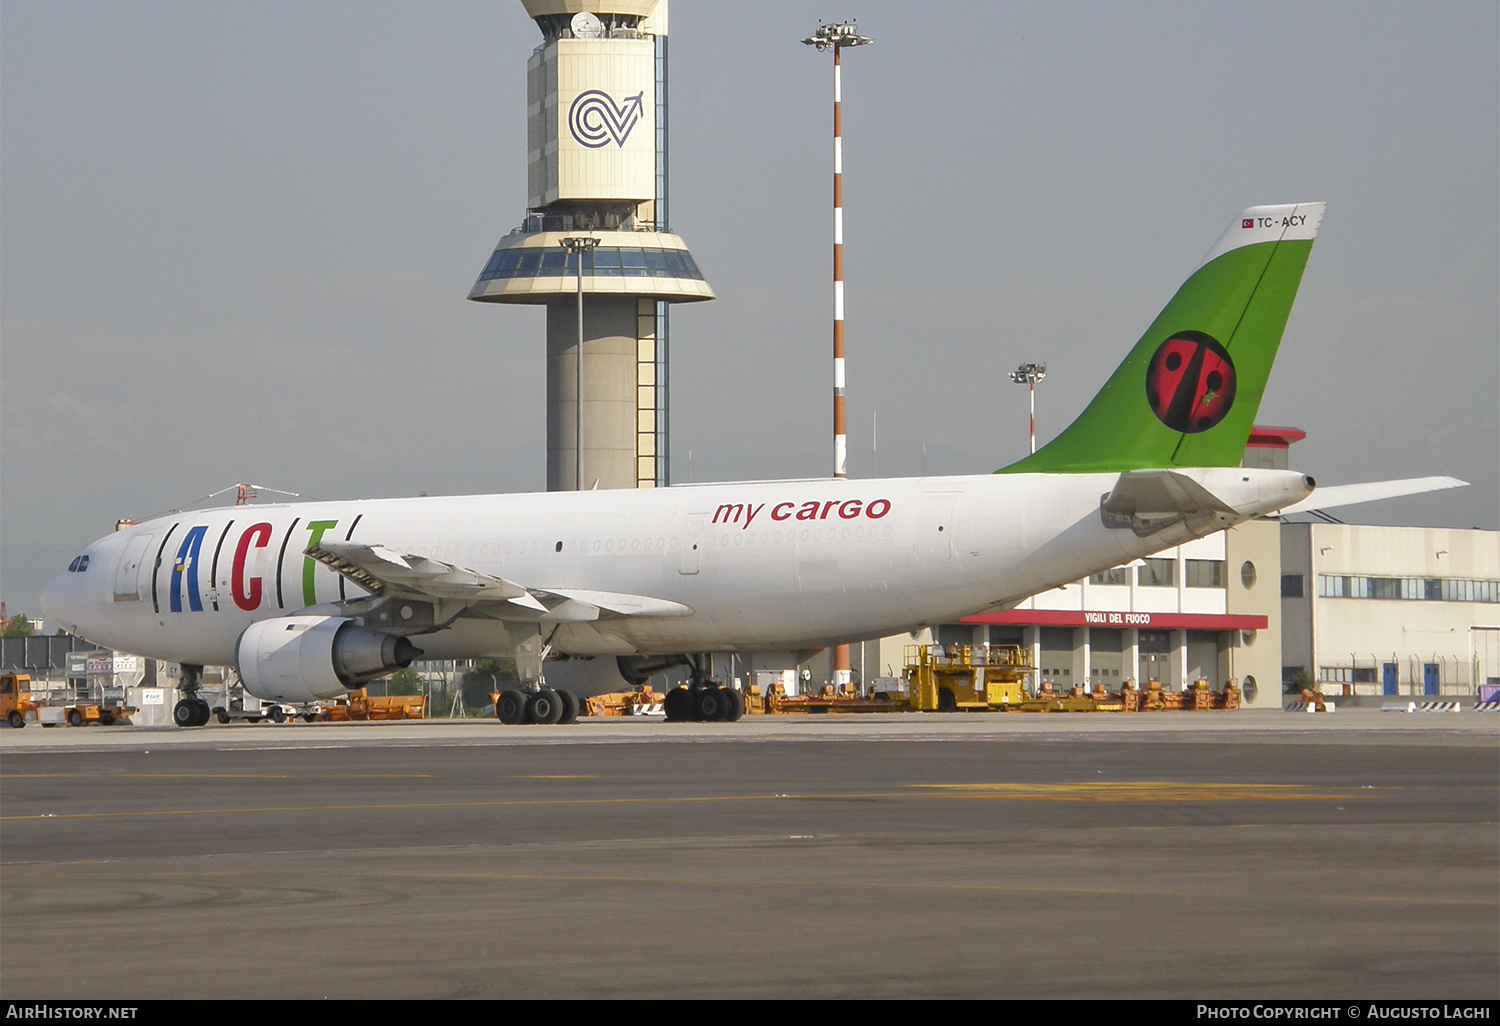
534	701
701	700
544	705
191	711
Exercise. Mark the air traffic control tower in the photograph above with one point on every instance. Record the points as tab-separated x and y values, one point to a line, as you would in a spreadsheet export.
596	131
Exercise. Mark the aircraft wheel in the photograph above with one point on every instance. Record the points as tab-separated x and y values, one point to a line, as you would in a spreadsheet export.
16	719
510	707
184	713
278	714
204	713
712	705
221	715
677	704
736	705
569	707
544	707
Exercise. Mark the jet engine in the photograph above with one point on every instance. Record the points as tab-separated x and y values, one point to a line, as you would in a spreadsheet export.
305	658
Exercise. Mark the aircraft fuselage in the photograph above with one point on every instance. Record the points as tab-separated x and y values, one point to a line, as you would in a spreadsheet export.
762	566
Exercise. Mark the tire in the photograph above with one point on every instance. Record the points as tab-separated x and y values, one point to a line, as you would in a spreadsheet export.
106	720
185	713
712	704
221	715
569	707
17	721
736	705
309	717
544	707
204	713
75	718
510	707
677	704
277	714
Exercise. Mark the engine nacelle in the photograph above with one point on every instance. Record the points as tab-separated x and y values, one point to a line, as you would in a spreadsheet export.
305	658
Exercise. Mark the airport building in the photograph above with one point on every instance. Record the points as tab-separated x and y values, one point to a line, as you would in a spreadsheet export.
593	244
1205	610
1391	611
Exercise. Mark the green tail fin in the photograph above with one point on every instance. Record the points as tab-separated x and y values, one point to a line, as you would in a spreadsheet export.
1187	394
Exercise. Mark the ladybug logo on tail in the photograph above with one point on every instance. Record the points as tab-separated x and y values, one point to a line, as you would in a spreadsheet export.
1190	383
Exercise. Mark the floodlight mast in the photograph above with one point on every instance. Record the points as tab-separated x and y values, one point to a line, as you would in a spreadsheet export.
1029	374
836	36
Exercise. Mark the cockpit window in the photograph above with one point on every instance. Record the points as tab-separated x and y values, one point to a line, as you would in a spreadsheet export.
79	565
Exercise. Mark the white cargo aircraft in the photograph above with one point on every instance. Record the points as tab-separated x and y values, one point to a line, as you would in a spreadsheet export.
308	600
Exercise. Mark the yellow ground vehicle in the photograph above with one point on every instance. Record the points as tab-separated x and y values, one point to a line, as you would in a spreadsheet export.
950	678
361	706
15	699
82	713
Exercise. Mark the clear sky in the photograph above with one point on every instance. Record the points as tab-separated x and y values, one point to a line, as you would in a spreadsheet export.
235	240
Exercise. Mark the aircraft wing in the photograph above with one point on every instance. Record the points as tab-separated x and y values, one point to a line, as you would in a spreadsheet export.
1348	495
383	571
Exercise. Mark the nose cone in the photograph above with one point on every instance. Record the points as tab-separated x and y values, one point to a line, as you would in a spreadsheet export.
59	601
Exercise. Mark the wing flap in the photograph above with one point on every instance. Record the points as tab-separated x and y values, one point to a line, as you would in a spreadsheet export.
385	571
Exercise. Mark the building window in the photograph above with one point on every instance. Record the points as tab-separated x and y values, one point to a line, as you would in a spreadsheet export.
1157	573
1119	575
1203	573
1411	589
1364	675
1291	585
1336	674
1247	575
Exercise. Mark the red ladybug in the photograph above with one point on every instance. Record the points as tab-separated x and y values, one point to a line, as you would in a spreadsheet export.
1190	382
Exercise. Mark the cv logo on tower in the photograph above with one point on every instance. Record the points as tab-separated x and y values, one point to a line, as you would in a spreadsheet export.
595	119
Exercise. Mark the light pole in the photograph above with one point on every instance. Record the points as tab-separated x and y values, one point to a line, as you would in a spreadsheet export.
835	37
578	245
1029	374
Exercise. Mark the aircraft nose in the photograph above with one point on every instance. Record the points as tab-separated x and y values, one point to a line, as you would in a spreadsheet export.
55	606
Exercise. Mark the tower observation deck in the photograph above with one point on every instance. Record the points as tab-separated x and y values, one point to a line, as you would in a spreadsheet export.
596	106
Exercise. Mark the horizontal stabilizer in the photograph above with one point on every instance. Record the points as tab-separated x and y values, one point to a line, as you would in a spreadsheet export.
1370	491
1159	493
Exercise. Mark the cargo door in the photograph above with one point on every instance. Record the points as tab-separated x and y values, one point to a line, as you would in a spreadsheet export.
692	542
128	576
935	541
